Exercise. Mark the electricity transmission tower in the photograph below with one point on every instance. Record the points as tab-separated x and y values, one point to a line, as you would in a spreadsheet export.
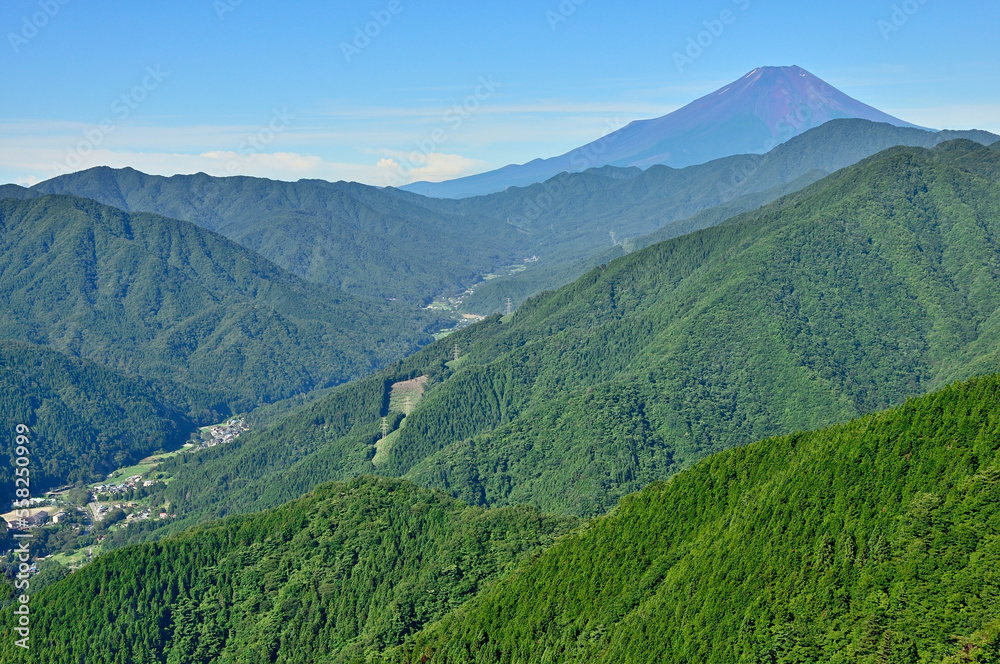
454	351
510	307
385	427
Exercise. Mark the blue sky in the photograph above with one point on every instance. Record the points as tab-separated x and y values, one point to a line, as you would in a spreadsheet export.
247	87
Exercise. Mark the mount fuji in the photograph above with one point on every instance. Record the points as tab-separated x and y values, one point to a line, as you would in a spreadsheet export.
752	115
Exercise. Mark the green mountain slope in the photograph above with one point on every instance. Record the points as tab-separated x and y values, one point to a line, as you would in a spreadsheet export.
573	217
15	191
548	274
878	283
217	327
874	285
357	238
85	420
875	541
348	569
394	244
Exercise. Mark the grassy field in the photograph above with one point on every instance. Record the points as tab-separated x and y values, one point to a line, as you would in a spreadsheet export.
143	467
75	558
383	446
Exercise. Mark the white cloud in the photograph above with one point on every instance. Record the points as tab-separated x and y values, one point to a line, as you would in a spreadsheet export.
377	146
27	165
33	151
331	144
401	168
32	166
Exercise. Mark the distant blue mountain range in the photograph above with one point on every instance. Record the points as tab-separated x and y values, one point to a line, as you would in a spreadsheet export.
763	109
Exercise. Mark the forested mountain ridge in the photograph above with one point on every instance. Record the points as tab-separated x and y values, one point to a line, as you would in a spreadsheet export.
876	284
875	541
872	541
16	191
393	244
829	303
215	327
357	238
348	570
85	420
575	221
639	193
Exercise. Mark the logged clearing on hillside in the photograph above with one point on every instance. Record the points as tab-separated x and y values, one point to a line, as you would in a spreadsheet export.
403	398
414	389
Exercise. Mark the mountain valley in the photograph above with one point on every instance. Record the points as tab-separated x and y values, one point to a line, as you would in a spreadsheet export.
722	386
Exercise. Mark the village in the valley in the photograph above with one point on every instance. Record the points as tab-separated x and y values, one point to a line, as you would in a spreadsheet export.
74	521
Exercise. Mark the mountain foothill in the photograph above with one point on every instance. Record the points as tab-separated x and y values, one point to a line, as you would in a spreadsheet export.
744	408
